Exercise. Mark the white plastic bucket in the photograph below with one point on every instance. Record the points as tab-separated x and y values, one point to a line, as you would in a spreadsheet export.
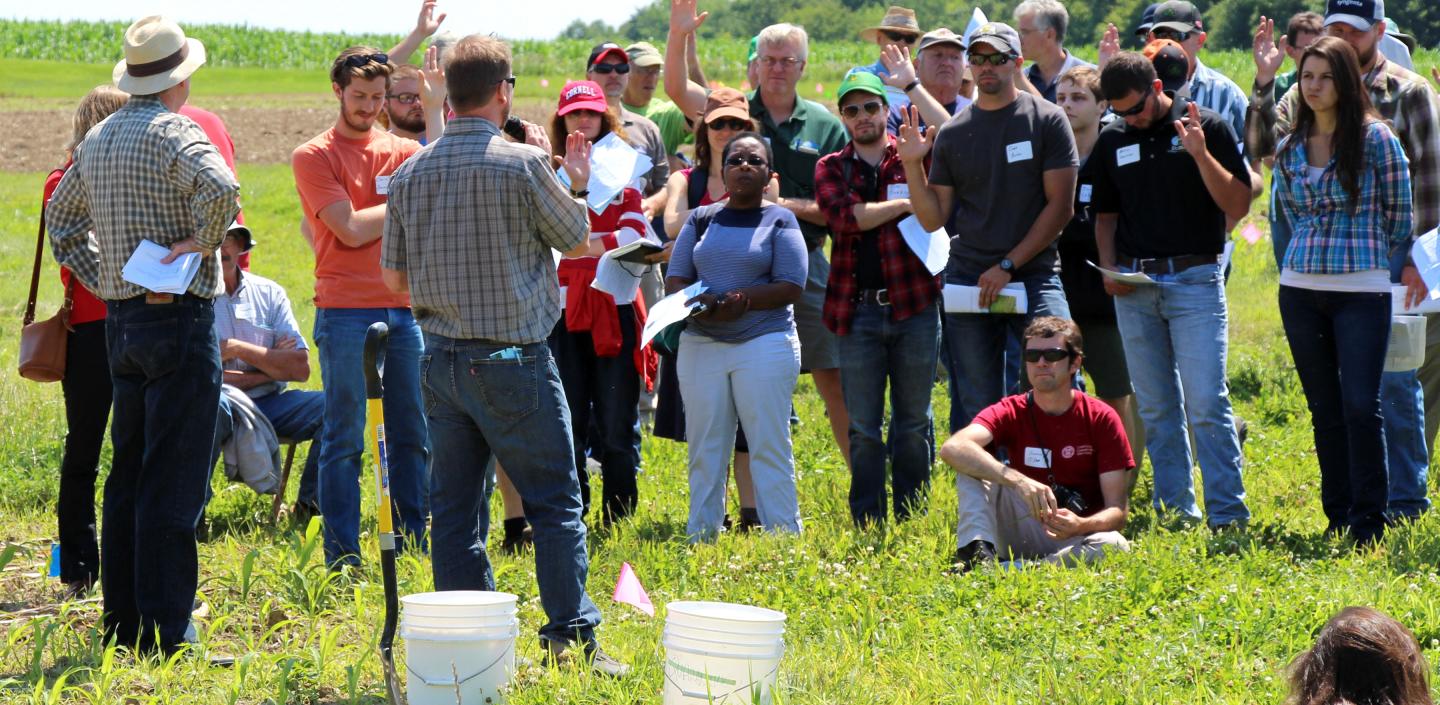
699	677
459	633
479	662
423	622
1407	343
716	635
725	617
721	646
462	604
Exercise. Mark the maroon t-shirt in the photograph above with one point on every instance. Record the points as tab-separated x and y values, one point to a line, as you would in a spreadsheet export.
1084	442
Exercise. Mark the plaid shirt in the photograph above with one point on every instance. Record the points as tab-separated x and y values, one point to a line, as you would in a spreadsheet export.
1325	235
910	286
471	220
1403	99
144	173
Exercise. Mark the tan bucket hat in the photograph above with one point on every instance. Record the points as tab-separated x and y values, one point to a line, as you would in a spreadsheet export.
157	56
898	19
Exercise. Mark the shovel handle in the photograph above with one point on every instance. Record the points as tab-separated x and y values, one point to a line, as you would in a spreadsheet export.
374	357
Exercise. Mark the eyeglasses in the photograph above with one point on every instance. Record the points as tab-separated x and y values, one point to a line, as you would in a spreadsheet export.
1172	34
740	159
359	60
1048	354
898	37
852	111
1137	108
728	124
992	59
508	79
788	62
606	69
404	98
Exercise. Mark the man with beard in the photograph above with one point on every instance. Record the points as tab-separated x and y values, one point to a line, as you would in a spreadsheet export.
403	105
343	176
880	303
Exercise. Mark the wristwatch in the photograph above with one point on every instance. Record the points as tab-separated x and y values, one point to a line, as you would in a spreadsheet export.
1007	266
582	193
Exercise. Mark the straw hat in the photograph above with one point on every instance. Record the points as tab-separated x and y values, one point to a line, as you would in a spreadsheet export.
157	56
898	19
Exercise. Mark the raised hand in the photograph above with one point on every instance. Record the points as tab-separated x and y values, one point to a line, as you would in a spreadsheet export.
432	80
1109	45
427	23
1269	56
897	61
1192	135
577	160
683	18
912	143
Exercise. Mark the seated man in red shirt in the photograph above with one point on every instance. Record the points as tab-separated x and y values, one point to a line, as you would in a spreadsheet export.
1063	498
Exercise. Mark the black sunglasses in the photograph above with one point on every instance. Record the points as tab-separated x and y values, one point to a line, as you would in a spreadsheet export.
732	124
1048	354
603	69
871	107
508	79
739	159
359	60
898	37
992	59
1172	34
1137	108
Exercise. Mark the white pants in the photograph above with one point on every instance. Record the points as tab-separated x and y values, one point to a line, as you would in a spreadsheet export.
750	382
997	514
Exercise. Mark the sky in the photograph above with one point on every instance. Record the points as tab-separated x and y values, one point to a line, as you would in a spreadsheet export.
527	19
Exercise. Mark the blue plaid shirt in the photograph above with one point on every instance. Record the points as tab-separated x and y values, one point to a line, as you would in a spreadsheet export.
1327	236
1213	90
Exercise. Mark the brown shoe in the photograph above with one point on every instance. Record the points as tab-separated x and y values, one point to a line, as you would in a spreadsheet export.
557	653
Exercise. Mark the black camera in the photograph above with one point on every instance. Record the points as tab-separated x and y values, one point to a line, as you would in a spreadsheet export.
1070	498
515	127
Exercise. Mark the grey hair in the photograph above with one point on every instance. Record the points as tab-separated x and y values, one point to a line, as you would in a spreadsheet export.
1049	14
442	43
786	33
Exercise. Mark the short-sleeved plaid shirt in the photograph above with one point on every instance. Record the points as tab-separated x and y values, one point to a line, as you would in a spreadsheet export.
471	220
144	173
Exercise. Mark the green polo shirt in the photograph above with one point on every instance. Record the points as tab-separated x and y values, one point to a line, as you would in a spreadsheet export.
670	119
798	143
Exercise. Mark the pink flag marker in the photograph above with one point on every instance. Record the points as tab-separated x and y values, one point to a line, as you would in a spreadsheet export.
544	83
1251	234
629	591
819	88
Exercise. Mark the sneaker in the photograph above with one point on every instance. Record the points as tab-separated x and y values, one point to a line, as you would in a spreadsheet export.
557	654
971	555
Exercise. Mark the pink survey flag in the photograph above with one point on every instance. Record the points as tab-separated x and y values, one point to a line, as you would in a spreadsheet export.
1251	234
629	591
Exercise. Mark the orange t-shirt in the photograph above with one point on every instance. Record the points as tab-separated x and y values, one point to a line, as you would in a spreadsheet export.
332	168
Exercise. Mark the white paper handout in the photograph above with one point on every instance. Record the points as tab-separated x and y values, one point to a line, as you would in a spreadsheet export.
671	309
1131	278
144	269
932	248
613	166
1397	303
617	278
1426	254
966	299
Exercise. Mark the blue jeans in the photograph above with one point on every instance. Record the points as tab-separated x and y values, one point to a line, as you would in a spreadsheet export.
977	342
1338	340
165	371
876	350
1175	342
516	411
340	335
1402	408
299	415
953	376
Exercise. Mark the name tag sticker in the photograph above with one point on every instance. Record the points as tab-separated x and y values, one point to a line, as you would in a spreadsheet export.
1018	152
1085	191
896	192
1037	457
1127	155
382	185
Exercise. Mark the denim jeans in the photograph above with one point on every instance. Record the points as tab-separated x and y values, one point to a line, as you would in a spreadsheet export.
340	335
165	372
87	389
299	415
516	411
1338	340
1402	408
977	342
1175	341
953	375
876	350
605	392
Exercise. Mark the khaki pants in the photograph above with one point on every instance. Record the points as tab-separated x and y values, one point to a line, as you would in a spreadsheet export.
989	512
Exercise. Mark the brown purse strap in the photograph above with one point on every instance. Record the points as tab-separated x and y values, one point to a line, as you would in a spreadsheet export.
35	273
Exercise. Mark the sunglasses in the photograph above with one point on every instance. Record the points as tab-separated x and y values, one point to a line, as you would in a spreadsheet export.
739	159
605	69
1137	108
730	124
404	98
508	79
898	37
359	60
1048	354
1167	33
871	107
992	59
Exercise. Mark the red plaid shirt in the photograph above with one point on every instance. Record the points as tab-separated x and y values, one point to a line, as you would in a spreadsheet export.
910	286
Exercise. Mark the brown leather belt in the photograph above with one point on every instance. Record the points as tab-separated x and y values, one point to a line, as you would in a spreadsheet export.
1168	265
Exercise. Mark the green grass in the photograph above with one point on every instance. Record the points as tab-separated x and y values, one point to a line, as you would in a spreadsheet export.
1186	617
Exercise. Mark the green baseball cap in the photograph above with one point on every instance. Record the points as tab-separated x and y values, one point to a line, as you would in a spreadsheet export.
862	81
754	48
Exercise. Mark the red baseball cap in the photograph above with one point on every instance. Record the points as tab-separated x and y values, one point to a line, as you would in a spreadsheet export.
581	95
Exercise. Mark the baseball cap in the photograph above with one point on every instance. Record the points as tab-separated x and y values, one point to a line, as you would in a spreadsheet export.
940	36
602	50
861	81
754	48
1147	20
1360	14
726	102
644	54
581	95
1178	15
1393	30
999	35
1171	63
241	233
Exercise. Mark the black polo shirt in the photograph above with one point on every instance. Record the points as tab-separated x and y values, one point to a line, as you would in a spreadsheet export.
1148	178
1084	287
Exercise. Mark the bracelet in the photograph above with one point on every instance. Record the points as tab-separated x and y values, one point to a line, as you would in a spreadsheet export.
581	193
911	85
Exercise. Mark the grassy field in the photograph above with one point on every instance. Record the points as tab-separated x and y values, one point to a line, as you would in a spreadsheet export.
1186	617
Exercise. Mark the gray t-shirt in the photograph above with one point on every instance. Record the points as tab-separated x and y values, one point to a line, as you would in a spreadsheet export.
996	161
740	249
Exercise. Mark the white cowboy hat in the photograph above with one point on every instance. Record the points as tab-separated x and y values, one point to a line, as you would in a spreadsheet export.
157	56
